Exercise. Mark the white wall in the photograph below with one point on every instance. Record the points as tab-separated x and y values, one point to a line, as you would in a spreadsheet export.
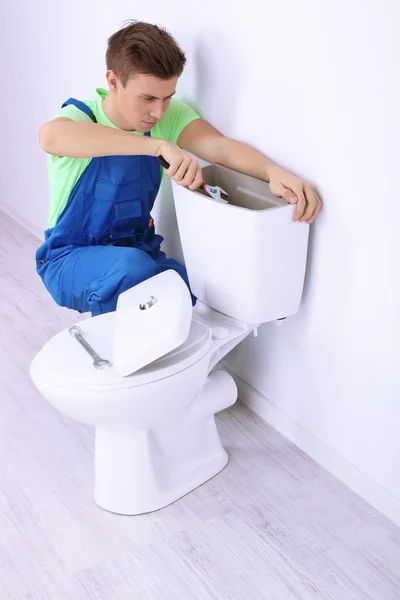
315	86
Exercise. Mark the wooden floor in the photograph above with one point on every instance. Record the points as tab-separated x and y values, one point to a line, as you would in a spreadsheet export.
273	525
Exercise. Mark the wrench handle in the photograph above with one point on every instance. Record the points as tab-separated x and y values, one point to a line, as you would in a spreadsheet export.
87	347
75	331
166	165
163	162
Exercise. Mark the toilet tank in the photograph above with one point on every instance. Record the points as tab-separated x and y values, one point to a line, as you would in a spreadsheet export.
247	258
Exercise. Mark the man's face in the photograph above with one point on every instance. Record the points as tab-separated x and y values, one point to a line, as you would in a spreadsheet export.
143	101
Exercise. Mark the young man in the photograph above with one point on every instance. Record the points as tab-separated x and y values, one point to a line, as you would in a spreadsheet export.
104	172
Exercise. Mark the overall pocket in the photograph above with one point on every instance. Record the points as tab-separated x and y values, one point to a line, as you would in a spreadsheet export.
132	207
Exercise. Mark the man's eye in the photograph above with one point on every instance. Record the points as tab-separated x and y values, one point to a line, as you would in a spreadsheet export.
147	98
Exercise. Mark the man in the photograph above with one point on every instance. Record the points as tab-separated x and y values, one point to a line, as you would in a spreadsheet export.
104	172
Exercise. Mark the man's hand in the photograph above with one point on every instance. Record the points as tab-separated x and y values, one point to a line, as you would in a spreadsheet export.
296	191
203	140
184	169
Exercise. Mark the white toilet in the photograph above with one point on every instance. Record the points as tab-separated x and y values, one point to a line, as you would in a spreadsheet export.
154	407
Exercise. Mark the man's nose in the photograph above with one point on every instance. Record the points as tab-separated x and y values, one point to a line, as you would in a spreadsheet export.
157	111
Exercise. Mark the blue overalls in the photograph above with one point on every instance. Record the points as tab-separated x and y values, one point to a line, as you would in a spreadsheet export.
104	241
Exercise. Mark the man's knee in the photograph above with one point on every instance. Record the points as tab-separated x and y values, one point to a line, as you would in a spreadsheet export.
127	271
135	267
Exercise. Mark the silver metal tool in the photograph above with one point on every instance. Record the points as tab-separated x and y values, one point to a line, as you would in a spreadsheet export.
98	363
213	190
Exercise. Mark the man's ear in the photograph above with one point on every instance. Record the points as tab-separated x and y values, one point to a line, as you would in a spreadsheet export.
112	80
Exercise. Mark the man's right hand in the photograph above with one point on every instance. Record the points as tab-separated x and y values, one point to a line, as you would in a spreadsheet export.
183	168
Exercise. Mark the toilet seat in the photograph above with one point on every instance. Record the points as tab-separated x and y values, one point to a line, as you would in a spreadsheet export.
63	362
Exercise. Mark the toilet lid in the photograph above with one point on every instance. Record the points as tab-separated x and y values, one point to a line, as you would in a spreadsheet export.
152	319
65	363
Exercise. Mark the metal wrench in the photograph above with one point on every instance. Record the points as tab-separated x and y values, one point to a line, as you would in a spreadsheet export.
98	363
213	190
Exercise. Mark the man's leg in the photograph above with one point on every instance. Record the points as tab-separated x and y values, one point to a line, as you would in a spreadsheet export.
91	278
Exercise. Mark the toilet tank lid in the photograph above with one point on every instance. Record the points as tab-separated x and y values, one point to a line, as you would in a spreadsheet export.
152	319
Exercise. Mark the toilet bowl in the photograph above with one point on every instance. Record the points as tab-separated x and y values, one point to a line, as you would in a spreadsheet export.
154	408
155	437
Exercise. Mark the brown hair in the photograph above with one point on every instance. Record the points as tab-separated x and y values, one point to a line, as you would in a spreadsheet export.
144	48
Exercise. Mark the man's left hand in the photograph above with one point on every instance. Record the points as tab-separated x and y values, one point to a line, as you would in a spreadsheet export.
296	191
203	140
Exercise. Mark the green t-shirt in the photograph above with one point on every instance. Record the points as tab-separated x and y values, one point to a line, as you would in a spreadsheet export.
64	171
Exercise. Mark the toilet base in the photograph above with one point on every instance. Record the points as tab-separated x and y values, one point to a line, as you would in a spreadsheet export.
142	471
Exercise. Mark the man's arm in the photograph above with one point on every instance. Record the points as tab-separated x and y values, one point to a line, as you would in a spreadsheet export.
206	142
81	139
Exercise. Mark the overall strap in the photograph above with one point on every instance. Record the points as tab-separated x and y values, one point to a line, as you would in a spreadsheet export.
82	106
